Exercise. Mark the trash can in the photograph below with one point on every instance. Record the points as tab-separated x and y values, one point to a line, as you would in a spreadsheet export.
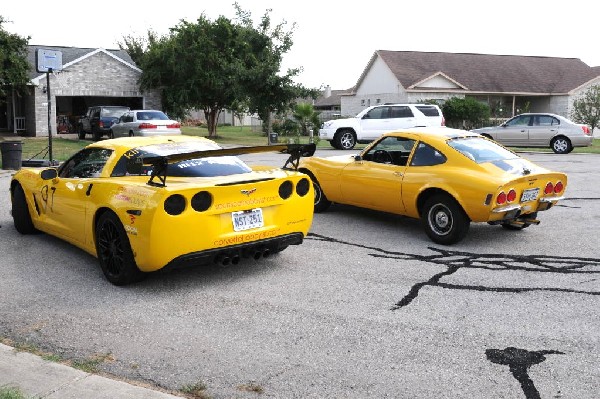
12	151
273	138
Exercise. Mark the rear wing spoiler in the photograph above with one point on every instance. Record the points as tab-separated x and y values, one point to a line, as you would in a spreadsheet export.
160	162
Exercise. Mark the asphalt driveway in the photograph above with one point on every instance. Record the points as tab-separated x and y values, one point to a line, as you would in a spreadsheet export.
367	307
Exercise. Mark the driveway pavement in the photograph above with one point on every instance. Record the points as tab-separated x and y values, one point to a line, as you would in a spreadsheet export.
366	307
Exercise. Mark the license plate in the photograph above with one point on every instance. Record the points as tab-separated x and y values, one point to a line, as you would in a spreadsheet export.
530	194
245	220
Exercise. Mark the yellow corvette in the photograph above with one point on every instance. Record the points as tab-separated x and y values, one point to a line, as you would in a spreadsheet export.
446	177
141	204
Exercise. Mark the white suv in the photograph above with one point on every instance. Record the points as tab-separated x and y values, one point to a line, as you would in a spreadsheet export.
372	122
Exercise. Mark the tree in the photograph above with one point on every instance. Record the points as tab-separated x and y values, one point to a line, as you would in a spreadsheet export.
216	65
269	92
586	109
14	67
465	113
306	117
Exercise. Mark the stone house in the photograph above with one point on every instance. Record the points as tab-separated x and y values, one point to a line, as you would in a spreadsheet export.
89	76
509	84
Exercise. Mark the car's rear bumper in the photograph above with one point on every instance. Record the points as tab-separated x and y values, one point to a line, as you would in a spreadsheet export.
583	141
234	253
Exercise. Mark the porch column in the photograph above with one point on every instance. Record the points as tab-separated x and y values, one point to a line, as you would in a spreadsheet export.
513	106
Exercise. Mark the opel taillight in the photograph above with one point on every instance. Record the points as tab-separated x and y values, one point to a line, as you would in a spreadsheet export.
501	198
558	187
549	188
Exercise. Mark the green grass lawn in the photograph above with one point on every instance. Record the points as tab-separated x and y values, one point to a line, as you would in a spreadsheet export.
62	148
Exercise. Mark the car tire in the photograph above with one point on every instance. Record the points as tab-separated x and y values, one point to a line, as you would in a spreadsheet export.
131	134
114	251
333	143
444	220
80	132
321	201
561	145
111	135
20	212
345	139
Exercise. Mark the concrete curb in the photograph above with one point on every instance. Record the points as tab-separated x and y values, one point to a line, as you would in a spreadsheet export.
43	379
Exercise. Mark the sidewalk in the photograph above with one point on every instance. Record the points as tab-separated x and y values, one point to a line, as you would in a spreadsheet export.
42	379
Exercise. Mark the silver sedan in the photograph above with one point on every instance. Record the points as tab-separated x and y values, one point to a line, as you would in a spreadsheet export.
145	122
540	130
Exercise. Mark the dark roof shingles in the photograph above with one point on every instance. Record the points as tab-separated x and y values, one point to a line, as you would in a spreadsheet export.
491	73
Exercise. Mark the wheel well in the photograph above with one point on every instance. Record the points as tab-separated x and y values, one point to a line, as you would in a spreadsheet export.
99	212
428	193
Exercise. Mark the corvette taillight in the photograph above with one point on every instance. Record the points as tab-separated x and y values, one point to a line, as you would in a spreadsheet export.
175	204
201	201
146	126
286	189
302	187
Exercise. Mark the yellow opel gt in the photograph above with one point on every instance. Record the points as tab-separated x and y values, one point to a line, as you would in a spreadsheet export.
141	204
446	177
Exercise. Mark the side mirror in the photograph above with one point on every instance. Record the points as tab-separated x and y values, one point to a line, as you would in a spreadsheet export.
49	174
358	158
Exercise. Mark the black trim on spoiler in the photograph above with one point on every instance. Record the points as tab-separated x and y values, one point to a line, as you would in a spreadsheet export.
159	163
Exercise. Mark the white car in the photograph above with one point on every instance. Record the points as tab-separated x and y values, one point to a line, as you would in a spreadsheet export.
540	130
372	122
144	122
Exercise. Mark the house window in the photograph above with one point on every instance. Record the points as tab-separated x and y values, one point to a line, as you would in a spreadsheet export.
378	101
362	103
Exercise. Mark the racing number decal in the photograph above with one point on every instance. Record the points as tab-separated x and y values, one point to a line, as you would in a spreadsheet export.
44	194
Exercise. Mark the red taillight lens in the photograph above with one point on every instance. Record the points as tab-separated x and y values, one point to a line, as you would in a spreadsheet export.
501	198
511	196
443	121
174	126
586	130
147	126
100	124
558	187
549	188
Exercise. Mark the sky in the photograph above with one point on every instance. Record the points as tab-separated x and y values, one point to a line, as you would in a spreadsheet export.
333	40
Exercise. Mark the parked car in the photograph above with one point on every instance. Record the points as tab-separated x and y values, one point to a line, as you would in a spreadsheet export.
98	120
446	177
372	122
144	122
540	130
142	204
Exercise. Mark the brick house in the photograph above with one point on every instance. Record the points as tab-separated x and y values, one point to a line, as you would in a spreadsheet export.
509	84
89	77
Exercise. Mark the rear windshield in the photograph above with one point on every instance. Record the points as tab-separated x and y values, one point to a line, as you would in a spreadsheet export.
151	115
131	163
428	110
481	150
114	111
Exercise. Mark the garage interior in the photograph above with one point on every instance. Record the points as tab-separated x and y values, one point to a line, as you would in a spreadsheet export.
70	108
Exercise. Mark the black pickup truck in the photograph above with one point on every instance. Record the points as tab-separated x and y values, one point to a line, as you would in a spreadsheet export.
98	120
